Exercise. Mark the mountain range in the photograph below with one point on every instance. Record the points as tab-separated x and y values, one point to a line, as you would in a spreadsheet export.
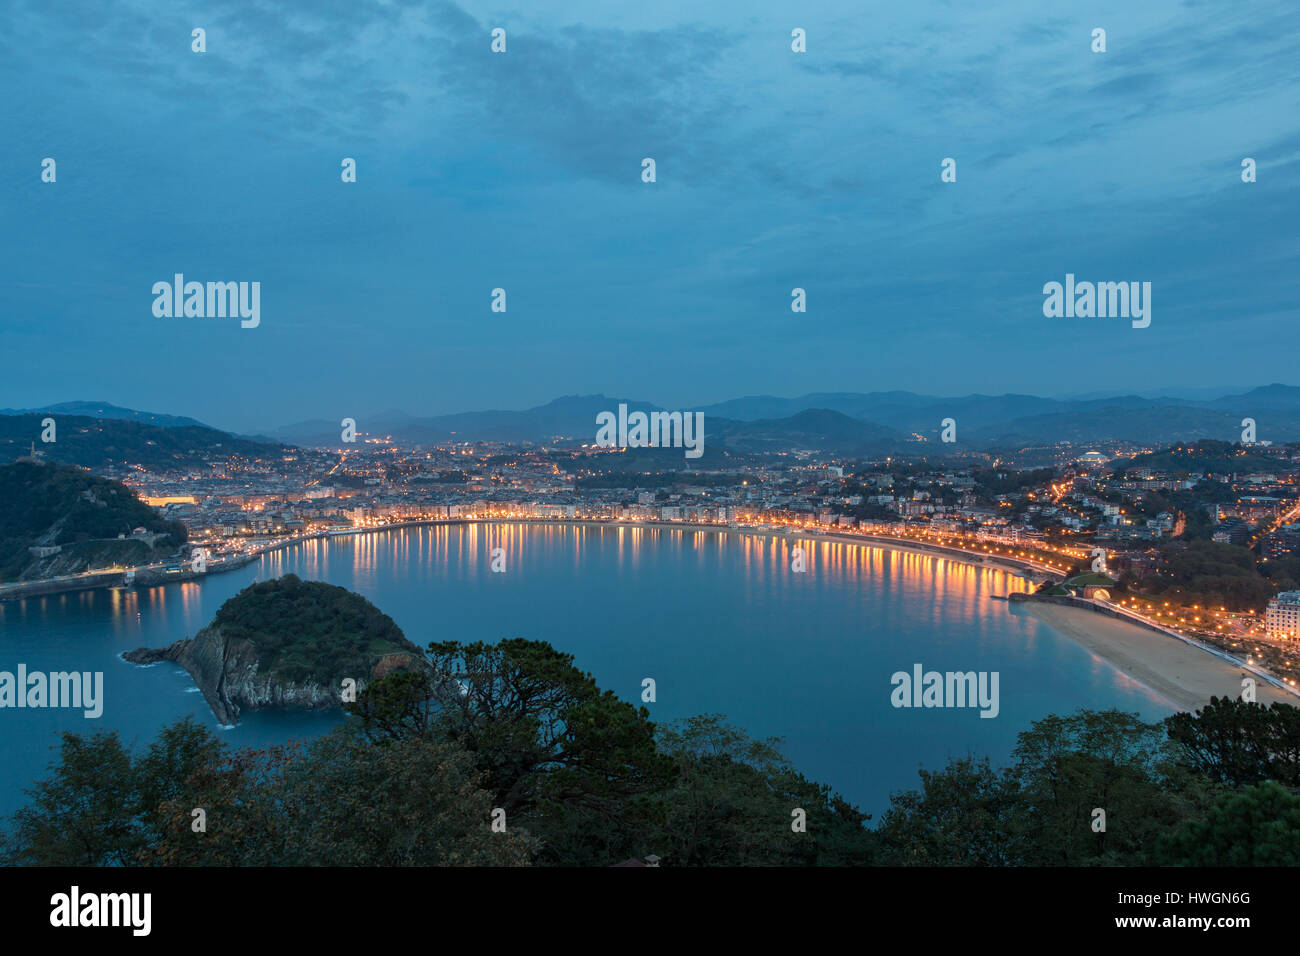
845	423
868	421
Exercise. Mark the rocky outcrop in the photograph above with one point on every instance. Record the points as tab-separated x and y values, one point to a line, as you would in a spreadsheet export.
228	673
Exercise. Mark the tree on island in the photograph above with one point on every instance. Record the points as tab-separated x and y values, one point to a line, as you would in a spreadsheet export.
311	631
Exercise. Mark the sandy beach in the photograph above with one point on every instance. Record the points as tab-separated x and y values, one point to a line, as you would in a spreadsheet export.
1184	675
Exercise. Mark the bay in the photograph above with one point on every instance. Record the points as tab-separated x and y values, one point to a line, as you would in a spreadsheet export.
717	619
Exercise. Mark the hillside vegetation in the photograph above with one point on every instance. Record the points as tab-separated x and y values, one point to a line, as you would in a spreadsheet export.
310	631
1205	456
60	505
99	442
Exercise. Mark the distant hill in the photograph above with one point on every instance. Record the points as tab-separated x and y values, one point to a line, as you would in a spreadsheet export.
903	411
1000	420
107	410
814	428
1209	457
1276	398
48	505
572	417
100	442
1275	409
1153	425
983	421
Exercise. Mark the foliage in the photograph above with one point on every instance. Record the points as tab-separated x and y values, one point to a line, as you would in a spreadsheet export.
577	765
64	505
1210	574
102	442
732	803
1257	826
311	631
1237	743
1206	456
586	779
340	801
1091	577
1068	767
961	816
1040	810
99	807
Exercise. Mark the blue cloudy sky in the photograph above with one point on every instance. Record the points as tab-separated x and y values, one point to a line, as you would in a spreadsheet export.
775	170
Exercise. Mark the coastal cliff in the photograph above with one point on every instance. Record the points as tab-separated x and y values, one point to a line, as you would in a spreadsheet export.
287	644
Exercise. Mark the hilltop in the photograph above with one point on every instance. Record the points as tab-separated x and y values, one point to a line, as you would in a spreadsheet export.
86	409
1206	457
101	442
50	506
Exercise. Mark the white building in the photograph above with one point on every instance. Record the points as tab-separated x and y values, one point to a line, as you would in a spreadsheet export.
1282	619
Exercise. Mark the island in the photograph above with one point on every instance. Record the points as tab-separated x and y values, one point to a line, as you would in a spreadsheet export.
288	643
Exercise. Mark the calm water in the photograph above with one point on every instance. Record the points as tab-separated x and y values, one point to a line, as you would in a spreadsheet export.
718	620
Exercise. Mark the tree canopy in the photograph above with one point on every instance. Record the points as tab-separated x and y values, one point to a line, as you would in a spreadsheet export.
311	631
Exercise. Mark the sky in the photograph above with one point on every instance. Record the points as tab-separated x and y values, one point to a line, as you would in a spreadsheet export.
522	170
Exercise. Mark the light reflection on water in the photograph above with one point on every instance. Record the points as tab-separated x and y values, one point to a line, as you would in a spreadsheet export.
718	619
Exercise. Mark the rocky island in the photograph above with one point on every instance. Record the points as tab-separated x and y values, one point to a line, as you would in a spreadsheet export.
288	643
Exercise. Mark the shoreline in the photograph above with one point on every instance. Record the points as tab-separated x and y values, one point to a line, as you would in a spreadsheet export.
16	591
1179	670
1186	675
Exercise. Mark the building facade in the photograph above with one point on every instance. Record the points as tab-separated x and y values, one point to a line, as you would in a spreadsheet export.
1282	619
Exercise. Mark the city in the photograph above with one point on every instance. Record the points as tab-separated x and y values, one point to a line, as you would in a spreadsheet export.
1052	520
587	435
